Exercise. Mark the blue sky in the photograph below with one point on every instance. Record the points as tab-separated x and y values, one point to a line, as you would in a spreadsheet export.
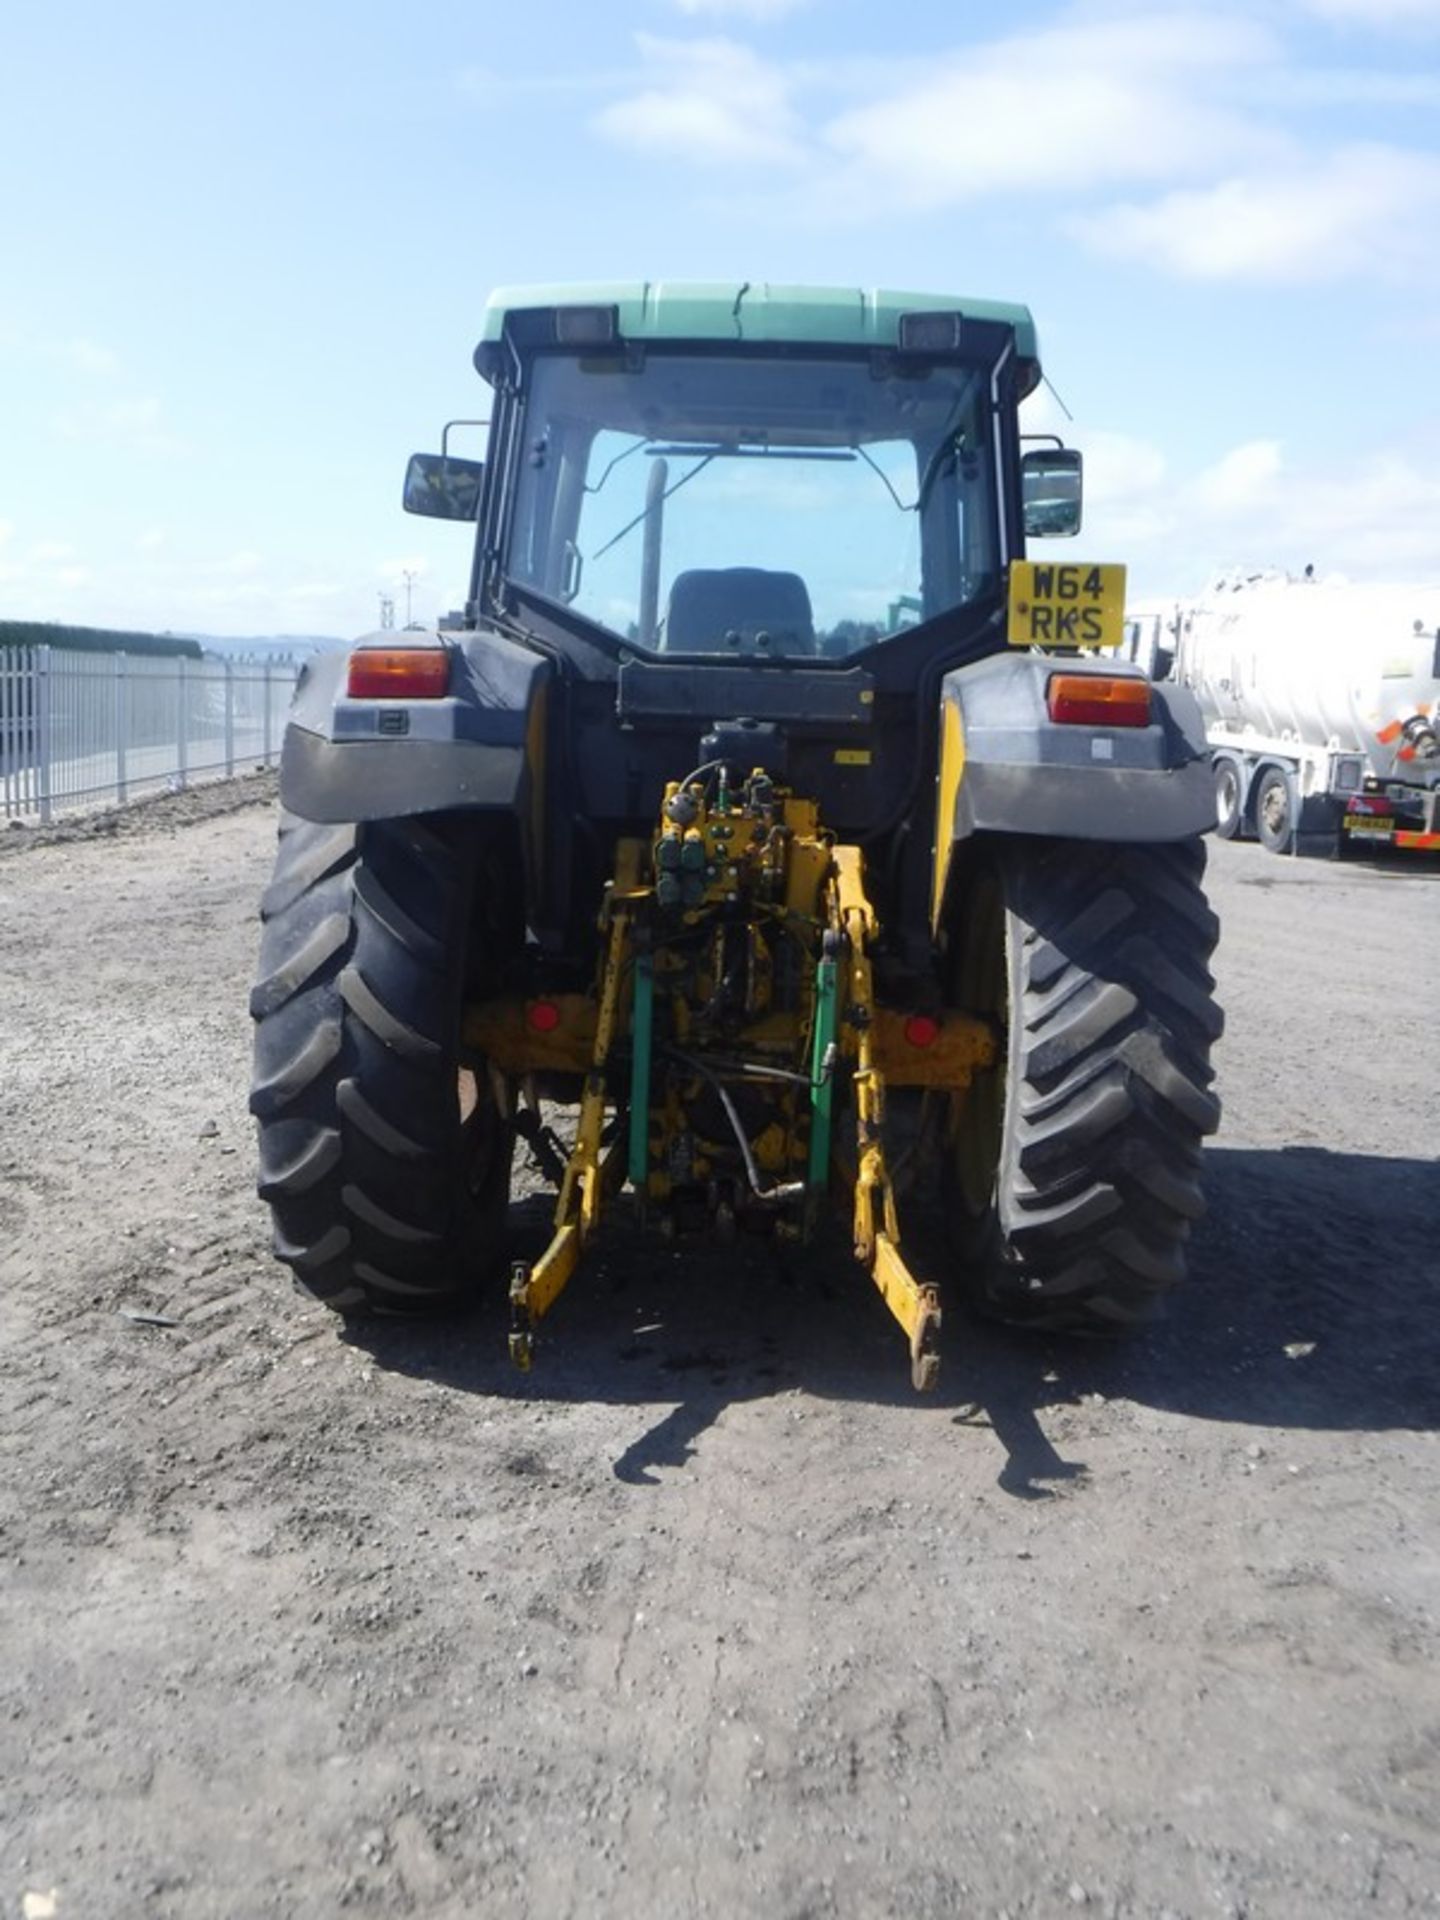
244	250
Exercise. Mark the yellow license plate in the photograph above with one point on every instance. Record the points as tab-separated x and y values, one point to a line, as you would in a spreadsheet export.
1065	606
1372	823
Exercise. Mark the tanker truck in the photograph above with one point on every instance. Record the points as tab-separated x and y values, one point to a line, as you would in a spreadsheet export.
1321	702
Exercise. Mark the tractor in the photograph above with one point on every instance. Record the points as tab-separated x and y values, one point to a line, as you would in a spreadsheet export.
767	835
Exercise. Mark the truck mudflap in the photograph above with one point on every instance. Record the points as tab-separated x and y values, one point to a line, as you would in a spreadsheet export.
1005	766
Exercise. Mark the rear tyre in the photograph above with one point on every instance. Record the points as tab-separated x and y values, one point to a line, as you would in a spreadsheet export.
1229	798
383	1156
1076	1159
1275	810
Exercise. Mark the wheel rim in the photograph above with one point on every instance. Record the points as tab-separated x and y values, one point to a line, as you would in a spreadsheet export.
1227	794
1275	808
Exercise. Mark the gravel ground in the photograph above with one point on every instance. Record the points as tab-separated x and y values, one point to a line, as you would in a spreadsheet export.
712	1616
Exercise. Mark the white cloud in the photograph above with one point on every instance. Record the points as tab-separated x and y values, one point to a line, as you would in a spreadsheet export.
746	9
1069	108
1373	517
7	531
88	356
490	89
1120	469
1376	13
711	101
1203	122
1244	478
1349	87
133	416
77	355
49	550
136	424
1365	209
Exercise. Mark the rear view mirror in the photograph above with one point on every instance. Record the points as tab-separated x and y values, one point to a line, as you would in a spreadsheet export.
443	487
1052	484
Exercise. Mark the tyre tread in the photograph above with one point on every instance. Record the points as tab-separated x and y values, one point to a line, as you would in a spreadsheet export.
1109	1093
356	1009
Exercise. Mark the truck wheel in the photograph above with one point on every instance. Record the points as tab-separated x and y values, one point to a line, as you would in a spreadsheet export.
1275	810
382	1154
1229	798
1076	1159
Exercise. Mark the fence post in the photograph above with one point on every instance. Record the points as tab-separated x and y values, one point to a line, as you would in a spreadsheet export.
267	710
182	729
122	728
42	730
11	757
229	718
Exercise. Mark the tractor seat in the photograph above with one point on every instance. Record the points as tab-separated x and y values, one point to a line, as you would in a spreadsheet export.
725	609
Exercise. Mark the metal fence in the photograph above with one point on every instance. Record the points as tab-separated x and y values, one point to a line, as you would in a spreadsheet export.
87	729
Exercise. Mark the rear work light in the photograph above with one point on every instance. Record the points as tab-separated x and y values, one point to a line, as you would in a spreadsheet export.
586	326
1091	700
930	332
399	673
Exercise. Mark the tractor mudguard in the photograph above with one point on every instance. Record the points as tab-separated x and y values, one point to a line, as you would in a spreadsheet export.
1007	767
480	746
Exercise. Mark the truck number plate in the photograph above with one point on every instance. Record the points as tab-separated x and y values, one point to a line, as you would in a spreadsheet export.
1376	825
1069	606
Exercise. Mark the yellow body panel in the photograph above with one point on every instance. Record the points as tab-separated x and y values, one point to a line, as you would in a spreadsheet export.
952	768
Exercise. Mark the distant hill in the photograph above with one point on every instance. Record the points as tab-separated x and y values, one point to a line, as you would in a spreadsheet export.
293	645
49	633
54	633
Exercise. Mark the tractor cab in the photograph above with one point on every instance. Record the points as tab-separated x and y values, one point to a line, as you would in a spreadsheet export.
757	473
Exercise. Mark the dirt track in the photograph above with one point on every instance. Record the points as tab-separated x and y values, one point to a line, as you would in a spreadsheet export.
713	1617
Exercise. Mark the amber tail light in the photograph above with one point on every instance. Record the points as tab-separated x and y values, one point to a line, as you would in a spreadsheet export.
1091	700
399	673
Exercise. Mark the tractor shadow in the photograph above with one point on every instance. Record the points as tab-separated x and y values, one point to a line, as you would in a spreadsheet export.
1313	1302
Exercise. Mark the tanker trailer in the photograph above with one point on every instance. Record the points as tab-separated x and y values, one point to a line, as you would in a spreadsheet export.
1321	702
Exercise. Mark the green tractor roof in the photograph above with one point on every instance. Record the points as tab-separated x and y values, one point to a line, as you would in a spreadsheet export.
756	312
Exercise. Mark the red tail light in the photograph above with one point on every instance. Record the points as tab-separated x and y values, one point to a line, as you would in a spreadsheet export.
399	673
542	1016
921	1030
1091	700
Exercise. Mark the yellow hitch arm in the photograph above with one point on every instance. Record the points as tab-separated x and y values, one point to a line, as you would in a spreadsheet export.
876	1224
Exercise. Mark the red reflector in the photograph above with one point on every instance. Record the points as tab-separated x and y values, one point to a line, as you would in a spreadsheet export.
921	1030
1091	700
542	1016
399	673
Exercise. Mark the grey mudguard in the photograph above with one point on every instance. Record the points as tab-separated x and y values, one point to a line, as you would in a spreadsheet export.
1021	772
347	759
